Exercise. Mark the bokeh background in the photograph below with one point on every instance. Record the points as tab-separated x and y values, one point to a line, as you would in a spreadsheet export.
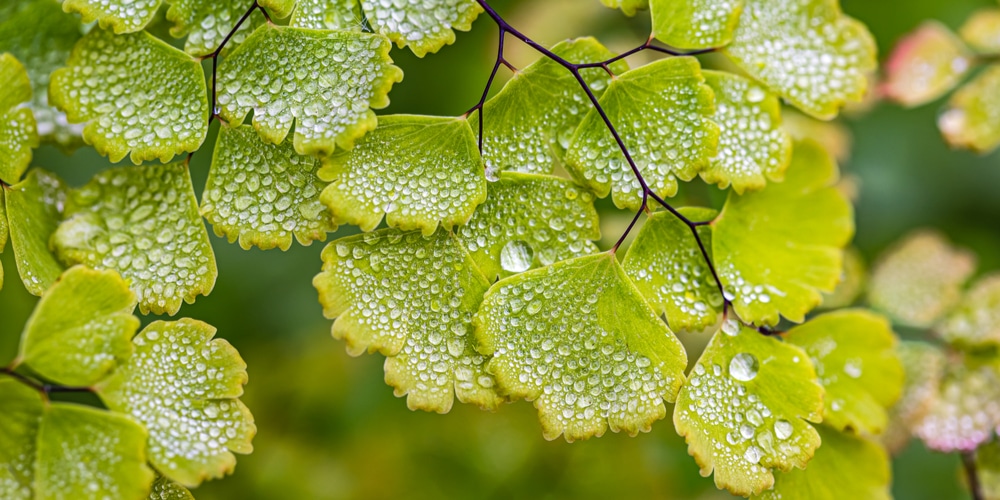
329	427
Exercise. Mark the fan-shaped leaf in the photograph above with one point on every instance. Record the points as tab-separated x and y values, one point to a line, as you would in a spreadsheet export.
22	407
844	467
323	82
752	145
80	329
662	112
327	15
528	125
920	279
84	452
695	24
418	170
140	96
982	31
165	489
142	222
852	351
263	194
206	23
41	36
123	16
527	221
34	208
183	386
853	278
966	410
976	320
742	410
3	230
924	367
776	249
423	26
17	125
578	339
278	8
666	265
988	469
973	116
411	298
925	65
629	7
806	51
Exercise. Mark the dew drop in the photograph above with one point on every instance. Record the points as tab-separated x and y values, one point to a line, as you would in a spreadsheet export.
731	327
783	429
753	454
853	368
515	257
743	367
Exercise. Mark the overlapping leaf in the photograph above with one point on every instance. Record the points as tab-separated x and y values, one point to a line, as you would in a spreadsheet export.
662	112
988	469
327	15
411	298
142	222
982	31
966	411
423	26
845	466
925	65
579	340
743	411
528	125
976	320
753	148
323	82
806	51
777	249
629	7
695	24
206	23
852	352
139	96
183	386
278	8
920	279
34	208
924	367
667	266
3	230
527	221
853	279
81	328
972	119
123	16
17	124
263	194
417	170
165	489
22	408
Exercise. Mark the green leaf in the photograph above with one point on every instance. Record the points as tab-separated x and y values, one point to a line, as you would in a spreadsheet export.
853	278
775	250
925	65
752	145
845	466
417	170
662	112
80	329
578	339
423	26
966	410
806	51
41	35
527	221
695	24
34	208
411	298
327	15
920	278
22	407
976	320
263	194
165	489
183	386
123	16
206	23
629	7
742	409
528	125
982	31
4	231
972	119
84	452
142	222
139	96
853	353
666	265
923	364
17	124
278	8
988	469
323	82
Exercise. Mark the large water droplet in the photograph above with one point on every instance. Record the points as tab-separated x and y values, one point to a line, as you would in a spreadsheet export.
783	429
753	454
853	368
731	327
515	257
743	367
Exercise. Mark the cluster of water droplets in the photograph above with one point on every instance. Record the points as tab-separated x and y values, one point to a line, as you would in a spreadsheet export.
327	15
424	25
525	217
739	289
977	319
16	131
325	82
125	15
142	222
264	193
137	93
207	23
709	21
23	406
966	411
41	198
182	387
971	119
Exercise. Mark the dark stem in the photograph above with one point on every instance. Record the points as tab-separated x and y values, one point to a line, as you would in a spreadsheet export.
39	386
214	112
972	475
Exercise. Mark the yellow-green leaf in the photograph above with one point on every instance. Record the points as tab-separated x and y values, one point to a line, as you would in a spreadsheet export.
34	208
628	7
972	119
423	26
165	489
925	65
923	364
206	23
17	124
853	278
988	469
4	231
123	16
22	407
695	24
982	31
976	320
966	410
327	15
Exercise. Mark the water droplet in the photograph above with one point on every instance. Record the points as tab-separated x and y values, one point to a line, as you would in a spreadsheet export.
515	257
753	454
731	327
755	94
853	368
783	429
743	367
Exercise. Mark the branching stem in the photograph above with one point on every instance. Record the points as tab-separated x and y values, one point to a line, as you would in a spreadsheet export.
214	56
972	475
39	386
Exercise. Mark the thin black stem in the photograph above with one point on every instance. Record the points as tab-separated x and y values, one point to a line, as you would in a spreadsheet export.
621	239
972	475
486	91
214	112
39	386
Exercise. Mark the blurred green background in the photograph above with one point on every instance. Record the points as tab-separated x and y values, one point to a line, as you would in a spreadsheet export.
329	427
